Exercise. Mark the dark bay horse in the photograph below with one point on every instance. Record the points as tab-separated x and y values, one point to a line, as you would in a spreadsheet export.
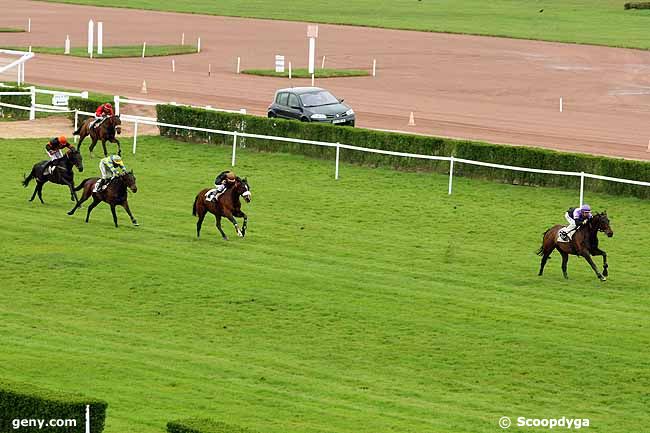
227	205
57	171
114	194
104	132
584	243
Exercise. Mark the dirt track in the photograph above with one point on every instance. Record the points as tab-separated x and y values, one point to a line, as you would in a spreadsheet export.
492	89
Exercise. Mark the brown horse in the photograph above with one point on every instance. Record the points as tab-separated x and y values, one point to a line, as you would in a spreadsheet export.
57	171
104	132
227	205
584	243
114	194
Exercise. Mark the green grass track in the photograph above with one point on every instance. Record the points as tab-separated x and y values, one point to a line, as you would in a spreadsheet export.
376	303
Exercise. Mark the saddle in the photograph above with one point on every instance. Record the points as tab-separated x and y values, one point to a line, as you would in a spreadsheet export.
212	195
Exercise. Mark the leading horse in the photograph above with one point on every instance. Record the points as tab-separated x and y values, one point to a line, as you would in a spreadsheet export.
226	205
584	243
57	171
105	132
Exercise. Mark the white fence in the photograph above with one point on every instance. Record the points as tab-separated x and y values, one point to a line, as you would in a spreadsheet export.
137	120
18	64
46	108
452	160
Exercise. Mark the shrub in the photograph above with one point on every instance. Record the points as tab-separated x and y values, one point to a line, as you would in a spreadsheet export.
637	5
494	153
24	100
204	426
21	401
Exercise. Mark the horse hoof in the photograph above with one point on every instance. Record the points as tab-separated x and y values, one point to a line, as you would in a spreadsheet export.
70	212
135	223
605	273
602	278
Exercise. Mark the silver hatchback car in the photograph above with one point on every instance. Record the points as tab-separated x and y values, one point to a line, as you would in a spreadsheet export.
311	104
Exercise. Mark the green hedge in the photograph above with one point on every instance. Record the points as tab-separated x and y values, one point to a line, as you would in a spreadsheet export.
21	401
637	5
501	154
88	105
204	426
24	100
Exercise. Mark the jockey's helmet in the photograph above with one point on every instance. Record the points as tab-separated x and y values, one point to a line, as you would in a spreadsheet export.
108	105
117	160
585	208
230	177
62	139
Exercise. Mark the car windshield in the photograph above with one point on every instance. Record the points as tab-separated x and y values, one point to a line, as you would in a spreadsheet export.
318	98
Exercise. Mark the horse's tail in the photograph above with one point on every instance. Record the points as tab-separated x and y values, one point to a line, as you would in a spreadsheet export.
82	184
27	179
196	200
540	252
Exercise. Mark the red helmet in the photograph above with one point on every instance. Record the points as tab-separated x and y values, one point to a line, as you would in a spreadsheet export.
108	105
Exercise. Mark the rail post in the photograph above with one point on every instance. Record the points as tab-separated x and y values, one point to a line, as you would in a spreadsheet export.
76	122
451	173
338	151
135	135
234	148
582	187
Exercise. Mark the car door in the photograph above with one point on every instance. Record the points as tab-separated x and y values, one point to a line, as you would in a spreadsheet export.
294	109
281	105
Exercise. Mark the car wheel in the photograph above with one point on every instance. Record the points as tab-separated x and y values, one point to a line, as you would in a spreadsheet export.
271	114
304	119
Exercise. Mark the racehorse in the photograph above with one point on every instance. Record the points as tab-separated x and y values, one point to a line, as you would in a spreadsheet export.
227	205
114	194
583	243
58	171
104	132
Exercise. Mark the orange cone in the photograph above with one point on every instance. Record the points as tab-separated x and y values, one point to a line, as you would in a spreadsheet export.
144	86
411	120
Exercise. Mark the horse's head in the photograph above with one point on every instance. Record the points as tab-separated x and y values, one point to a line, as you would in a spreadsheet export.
243	189
600	222
129	180
117	124
75	158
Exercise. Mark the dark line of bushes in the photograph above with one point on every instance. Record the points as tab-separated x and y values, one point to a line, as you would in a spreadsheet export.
21	401
204	426
637	5
15	113
495	153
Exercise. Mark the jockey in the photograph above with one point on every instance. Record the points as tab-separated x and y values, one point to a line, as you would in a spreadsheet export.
102	112
575	217
55	146
224	180
110	167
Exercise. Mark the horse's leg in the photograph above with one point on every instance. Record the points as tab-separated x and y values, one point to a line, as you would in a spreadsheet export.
104	147
39	190
125	205
598	252
234	222
119	147
223	235
82	137
589	260
92	145
73	194
114	214
201	212
241	214
95	202
565	261
35	190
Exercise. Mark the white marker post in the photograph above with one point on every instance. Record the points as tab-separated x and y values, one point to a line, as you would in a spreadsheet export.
322	65
91	36
29	25
374	67
66	49
183	39
173	65
238	63
312	34
209	69
561	104
144	48
312	80
198	46
100	37
290	72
